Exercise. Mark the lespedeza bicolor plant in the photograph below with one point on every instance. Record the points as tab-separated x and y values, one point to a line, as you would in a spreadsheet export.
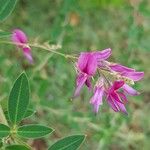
106	80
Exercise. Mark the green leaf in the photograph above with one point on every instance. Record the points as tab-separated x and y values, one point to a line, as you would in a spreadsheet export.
6	7
16	147
68	143
18	99
33	131
28	113
4	131
4	34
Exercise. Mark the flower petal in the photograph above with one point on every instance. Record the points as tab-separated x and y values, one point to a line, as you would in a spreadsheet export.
120	68
91	65
123	97
112	104
104	54
117	85
27	54
18	36
122	107
83	60
135	76
96	100
130	90
81	78
116	97
88	83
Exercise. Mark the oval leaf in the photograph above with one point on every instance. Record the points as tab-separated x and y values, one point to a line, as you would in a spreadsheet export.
68	143
33	131
18	99
6	7
28	113
16	147
4	131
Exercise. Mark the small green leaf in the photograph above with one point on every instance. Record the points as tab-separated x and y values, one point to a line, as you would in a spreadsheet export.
6	7
4	34
16	147
68	143
33	131
28	113
18	99
4	131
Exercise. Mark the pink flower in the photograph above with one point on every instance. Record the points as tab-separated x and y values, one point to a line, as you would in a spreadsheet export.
116	99
21	40
87	65
96	100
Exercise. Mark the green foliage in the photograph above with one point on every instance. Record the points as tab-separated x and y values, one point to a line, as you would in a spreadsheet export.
6	7
18	99
28	113
18	110
68	143
4	131
4	34
34	131
16	147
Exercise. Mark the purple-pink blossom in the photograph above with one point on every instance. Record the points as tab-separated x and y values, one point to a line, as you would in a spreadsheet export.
87	66
20	40
114	81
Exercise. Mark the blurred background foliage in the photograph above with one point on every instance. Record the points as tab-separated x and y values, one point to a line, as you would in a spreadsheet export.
81	25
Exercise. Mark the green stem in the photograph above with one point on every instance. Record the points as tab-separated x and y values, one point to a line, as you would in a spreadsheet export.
44	47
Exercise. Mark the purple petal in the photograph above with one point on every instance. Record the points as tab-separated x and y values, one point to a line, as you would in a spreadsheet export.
27	54
104	54
96	100
18	36
122	107
83	60
117	85
88	83
130	90
135	76
92	65
81	78
123	97
120	68
112	104
116	97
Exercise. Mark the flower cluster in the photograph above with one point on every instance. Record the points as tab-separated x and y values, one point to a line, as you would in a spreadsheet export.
113	83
